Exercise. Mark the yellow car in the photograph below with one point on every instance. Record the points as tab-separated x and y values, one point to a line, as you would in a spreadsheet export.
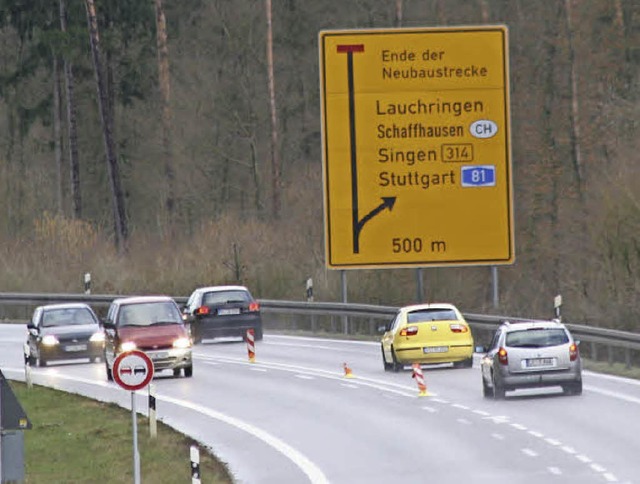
427	333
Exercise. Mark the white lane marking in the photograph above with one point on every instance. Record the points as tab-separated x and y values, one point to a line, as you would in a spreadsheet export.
269	337
518	426
464	421
529	452
263	370
403	390
304	377
609	393
555	471
312	471
598	468
610	477
440	400
583	458
553	442
349	385
430	409
618	379
569	450
536	434
497	419
498	436
482	413
460	406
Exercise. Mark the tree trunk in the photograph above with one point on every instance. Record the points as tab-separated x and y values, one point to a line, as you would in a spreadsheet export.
276	182
165	93
484	11
57	136
117	196
72	131
398	19
575	107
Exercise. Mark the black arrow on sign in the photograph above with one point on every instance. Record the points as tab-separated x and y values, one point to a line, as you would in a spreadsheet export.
387	202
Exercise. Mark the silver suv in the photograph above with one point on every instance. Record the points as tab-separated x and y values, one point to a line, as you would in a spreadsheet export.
531	354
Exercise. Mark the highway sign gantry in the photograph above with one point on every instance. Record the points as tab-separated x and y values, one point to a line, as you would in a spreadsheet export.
416	147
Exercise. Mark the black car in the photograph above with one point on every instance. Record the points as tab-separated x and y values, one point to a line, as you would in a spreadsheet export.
63	332
222	311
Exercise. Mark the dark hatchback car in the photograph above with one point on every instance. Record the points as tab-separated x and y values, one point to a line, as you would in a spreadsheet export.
222	311
63	332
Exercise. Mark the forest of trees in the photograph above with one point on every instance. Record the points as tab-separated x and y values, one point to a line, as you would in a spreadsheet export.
161	145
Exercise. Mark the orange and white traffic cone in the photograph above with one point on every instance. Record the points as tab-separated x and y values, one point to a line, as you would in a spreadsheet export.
251	345
347	371
417	374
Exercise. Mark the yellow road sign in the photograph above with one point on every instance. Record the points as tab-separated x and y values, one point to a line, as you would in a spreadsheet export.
416	147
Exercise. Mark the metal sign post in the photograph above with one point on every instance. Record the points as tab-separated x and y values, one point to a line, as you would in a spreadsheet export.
133	370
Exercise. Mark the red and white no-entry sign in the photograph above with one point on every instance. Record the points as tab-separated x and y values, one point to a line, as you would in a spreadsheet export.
132	370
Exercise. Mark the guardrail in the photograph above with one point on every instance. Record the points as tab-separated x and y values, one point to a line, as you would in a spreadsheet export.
359	319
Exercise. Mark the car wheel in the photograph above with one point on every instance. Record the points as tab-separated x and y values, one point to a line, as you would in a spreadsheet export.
176	372
387	366
396	365
109	373
573	388
487	391
498	390
188	371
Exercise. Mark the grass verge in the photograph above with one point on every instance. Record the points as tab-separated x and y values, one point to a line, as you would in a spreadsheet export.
74	439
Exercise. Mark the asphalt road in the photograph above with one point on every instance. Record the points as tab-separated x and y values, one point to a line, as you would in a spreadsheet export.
293	417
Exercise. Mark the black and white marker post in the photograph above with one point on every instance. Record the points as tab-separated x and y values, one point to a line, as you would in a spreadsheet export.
557	302
195	465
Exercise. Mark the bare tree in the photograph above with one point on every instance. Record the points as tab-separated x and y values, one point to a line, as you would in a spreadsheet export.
72	130
57	136
275	159
575	107
119	214
399	11
165	93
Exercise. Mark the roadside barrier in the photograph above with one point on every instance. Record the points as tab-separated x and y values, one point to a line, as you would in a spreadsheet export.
251	345
347	371
419	377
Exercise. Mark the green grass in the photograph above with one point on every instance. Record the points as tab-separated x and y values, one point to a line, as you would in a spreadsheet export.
78	440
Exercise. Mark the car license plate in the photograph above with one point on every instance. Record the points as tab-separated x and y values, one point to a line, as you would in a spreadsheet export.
226	312
75	348
158	356
435	349
540	362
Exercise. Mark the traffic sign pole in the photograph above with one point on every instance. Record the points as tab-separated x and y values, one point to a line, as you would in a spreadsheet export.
136	455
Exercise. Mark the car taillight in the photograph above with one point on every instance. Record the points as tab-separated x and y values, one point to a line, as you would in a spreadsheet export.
409	331
502	356
458	328
573	352
202	310
254	306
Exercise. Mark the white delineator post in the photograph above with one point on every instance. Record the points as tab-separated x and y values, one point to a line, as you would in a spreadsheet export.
195	465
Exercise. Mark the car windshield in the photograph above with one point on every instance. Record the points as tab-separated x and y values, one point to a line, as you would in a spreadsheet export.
537	338
67	316
147	314
224	297
426	315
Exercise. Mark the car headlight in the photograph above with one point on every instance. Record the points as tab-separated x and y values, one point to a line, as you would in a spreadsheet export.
49	340
182	343
127	346
97	337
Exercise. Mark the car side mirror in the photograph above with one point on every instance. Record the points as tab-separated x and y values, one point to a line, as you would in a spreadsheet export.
481	349
383	328
107	324
30	325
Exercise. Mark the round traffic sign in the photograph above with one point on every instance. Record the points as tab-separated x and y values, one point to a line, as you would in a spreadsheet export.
132	370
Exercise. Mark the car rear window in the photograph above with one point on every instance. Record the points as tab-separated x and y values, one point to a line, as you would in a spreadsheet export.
426	315
67	316
225	297
537	338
